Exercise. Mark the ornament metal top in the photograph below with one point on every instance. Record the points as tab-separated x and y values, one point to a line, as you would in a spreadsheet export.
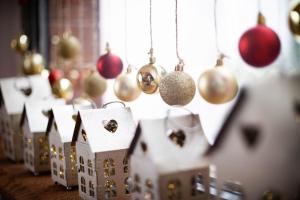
177	87
20	44
260	45
149	76
294	19
218	85
109	65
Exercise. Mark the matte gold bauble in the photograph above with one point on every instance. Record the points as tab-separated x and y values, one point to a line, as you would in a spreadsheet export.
218	85
177	88
94	85
125	86
69	46
33	63
63	88
294	19
20	44
149	76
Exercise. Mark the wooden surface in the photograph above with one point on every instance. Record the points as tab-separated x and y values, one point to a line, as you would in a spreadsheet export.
18	183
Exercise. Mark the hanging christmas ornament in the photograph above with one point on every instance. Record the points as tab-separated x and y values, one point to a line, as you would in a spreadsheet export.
69	46
218	85
33	63
54	75
109	65
148	77
83	101
63	88
177	88
20	44
259	46
125	86
94	85
294	19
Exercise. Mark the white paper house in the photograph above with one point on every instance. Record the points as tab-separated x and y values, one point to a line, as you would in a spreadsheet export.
60	130
14	93
102	138
166	160
257	148
34	122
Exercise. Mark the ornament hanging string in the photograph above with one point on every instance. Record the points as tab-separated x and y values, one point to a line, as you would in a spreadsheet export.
150	29
81	33
219	51
125	32
68	10
176	25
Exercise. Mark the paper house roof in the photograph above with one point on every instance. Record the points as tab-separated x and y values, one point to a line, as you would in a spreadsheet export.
13	91
37	113
99	138
167	156
64	118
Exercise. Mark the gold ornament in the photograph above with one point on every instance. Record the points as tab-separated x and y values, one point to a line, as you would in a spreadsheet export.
63	88
33	63
177	88
126	87
218	85
94	85
20	44
69	46
294	19
148	77
82	101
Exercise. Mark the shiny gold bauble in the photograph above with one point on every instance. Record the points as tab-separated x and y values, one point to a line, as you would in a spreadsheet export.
218	85
177	88
20	44
149	76
294	19
82	101
69	46
126	87
63	88
95	85
33	63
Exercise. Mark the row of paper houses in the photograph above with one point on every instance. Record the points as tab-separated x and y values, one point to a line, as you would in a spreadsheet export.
108	156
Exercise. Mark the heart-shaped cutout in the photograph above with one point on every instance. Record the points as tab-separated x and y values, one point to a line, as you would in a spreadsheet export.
111	125
177	137
26	91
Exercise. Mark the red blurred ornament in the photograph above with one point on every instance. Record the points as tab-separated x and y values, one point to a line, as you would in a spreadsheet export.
109	65
54	75
23	2
260	45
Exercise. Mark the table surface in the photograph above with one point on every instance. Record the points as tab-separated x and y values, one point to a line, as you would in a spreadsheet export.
18	183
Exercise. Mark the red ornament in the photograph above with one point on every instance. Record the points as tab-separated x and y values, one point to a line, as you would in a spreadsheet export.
259	46
55	75
109	65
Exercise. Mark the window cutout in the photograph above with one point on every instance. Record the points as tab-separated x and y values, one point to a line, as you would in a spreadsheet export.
144	146
110	189
26	91
82	184
84	136
128	185
90	169
297	111
148	195
125	163
232	189
250	134
61	172
198	186
174	189
148	184
92	189
53	150
109	167
177	137
60	156
111	125
73	160
271	195
54	165
81	164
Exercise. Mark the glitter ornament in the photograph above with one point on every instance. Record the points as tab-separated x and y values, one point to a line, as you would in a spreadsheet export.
33	63
260	45
177	88
125	86
69	46
294	19
109	65
95	85
218	85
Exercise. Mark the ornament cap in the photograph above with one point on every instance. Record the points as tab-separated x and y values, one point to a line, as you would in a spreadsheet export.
152	59
179	67
261	20
107	47
129	69
220	61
